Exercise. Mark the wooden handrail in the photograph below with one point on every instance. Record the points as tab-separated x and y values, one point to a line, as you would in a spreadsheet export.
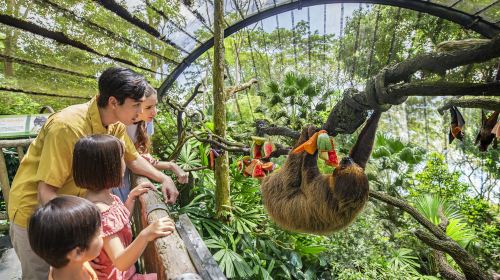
182	255
167	256
11	143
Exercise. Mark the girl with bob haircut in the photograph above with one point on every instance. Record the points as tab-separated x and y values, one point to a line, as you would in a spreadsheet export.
66	233
140	133
98	166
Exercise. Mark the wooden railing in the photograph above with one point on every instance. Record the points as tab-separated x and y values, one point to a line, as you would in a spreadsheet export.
182	255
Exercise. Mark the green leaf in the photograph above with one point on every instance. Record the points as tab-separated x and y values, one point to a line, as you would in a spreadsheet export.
275	99
310	91
312	250
296	260
321	106
273	87
381	152
290	79
210	126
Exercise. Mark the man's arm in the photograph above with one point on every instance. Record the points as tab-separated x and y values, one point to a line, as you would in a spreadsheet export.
46	192
142	167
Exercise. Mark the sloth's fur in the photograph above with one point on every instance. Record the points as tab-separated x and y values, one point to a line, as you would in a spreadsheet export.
299	198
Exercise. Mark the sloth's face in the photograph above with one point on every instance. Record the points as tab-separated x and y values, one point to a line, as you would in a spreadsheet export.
346	162
348	167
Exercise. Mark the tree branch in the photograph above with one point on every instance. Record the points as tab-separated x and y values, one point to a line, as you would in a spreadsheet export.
237	88
172	104
488	103
445	268
226	147
196	91
440	62
412	211
262	128
438	239
444	89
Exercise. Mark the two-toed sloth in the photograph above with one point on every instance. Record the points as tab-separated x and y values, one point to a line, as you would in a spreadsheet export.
299	198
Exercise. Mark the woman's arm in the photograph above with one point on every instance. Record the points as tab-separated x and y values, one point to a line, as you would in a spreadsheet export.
182	176
142	167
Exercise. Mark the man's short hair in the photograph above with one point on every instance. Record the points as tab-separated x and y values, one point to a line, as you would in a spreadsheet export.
121	83
97	162
61	225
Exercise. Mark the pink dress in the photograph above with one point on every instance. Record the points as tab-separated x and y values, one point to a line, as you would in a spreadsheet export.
116	220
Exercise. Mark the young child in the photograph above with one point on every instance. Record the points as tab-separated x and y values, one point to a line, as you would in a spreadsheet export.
139	133
66	233
98	166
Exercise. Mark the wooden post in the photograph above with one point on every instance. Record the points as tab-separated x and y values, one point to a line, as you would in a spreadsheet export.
20	153
4	178
4	174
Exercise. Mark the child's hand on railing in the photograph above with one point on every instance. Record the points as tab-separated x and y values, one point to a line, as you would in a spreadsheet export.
136	192
160	228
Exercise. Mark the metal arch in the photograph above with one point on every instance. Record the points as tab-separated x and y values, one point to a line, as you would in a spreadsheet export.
466	20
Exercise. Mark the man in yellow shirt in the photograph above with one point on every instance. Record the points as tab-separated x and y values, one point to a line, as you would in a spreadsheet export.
46	169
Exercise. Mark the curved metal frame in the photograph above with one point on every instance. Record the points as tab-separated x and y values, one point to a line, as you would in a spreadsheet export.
469	21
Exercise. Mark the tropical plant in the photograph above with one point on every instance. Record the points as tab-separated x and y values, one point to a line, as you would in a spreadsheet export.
457	229
294	102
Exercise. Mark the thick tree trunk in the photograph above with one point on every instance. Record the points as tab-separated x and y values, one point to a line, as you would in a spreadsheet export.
222	199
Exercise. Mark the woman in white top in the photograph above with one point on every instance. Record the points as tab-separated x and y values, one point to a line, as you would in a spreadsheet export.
139	133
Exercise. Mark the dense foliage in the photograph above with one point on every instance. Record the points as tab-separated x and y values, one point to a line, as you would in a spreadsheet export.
302	73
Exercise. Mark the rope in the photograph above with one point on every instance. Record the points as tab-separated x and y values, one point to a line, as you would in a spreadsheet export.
293	37
340	41
396	24
309	41
356	45
279	40
253	58
265	49
377	19
264	39
325	77
417	26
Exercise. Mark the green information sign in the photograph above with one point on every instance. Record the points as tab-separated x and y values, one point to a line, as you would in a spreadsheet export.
21	126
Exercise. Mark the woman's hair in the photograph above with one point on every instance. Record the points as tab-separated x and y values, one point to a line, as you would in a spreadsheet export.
143	143
61	225
97	162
